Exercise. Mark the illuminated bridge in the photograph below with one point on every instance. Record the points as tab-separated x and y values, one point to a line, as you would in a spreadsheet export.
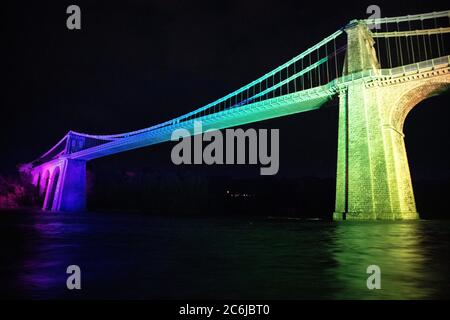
375	71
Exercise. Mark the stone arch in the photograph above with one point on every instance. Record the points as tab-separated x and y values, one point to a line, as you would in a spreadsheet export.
38	183
44	182
52	188
407	101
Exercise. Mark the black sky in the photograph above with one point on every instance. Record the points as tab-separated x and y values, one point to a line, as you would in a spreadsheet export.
137	63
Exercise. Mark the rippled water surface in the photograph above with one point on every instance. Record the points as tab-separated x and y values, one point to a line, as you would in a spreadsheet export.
137	256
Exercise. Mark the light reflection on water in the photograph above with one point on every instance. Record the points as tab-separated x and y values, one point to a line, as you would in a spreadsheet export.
144	257
396	247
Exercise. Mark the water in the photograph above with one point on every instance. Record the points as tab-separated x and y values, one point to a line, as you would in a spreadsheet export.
136	256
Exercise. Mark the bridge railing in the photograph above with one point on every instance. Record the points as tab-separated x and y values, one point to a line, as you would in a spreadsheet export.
316	66
422	66
70	143
406	70
54	152
407	40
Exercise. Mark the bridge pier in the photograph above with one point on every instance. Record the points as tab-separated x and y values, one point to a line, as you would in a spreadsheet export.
73	192
373	179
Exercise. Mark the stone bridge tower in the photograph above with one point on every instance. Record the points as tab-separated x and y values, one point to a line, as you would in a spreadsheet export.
373	177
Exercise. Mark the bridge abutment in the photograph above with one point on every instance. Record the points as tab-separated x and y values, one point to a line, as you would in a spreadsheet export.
62	183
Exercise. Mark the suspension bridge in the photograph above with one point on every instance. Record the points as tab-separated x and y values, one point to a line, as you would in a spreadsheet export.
374	70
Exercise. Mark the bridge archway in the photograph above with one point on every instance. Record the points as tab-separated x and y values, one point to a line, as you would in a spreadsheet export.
406	102
426	135
399	112
43	182
52	189
43	179
38	183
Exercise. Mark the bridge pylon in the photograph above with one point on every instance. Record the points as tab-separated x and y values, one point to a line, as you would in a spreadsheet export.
373	177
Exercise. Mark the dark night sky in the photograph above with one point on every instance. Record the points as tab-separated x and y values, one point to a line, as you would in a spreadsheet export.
137	63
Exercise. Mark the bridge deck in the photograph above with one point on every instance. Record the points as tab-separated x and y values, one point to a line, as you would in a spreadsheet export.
276	107
297	102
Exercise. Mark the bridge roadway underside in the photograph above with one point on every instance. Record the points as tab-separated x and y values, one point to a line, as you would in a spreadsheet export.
276	107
